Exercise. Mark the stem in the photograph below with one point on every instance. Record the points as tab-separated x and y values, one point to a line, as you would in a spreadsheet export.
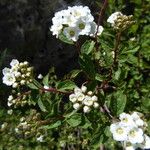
101	15
118	36
53	90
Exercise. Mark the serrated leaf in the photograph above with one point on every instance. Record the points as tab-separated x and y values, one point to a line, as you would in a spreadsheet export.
46	80
53	125
66	85
41	105
134	50
87	47
63	38
74	120
118	102
87	66
75	73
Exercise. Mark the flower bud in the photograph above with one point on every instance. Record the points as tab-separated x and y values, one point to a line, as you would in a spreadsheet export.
15	85
76	106
86	109
90	93
94	98
72	98
83	88
95	105
22	82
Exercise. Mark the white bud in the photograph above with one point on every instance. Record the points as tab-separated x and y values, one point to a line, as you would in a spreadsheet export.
95	105
76	106
40	76
10	98
23	75
77	90
25	63
9	104
72	98
21	64
80	96
90	93
83	88
86	109
10	112
17	74
28	74
22	82
15	85
94	98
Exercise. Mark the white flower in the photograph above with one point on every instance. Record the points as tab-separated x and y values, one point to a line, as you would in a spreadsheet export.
14	62
113	18
40	138
73	98
137	119
76	106
119	132
6	71
86	109
126	120
40	76
147	142
9	79
94	29
135	135
83	27
71	33
83	88
56	29
16	130
95	105
131	147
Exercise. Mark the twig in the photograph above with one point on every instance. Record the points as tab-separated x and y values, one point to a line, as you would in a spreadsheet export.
53	90
118	36
101	14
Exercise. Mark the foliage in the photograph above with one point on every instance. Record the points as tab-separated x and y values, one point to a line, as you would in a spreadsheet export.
114	66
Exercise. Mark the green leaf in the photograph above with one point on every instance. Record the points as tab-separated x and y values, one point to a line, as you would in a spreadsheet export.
63	38
46	80
34	85
41	105
74	120
99	77
87	66
134	50
118	102
53	125
75	73
87	47
66	85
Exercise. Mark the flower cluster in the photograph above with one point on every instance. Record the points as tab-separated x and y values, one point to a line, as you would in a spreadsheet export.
120	21
30	127
73	22
130	130
17	100
18	74
81	97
